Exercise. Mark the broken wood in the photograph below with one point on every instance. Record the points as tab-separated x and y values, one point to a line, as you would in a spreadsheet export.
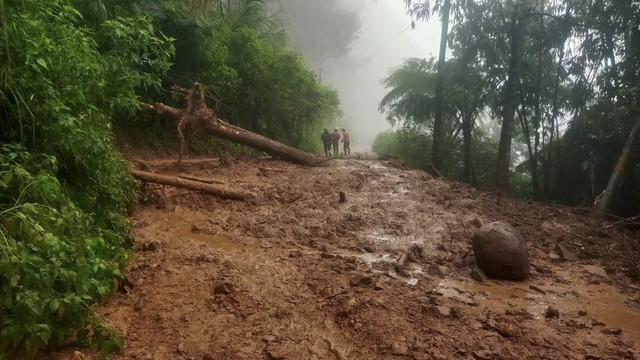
189	184
198	117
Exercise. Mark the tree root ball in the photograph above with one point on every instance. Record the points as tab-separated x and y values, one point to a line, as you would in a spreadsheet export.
501	252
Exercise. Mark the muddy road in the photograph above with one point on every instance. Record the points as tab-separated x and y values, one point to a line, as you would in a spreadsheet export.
294	274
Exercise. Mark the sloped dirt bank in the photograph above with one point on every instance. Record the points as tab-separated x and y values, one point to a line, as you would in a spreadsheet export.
294	274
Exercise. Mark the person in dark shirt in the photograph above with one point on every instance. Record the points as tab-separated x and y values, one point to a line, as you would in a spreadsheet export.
326	141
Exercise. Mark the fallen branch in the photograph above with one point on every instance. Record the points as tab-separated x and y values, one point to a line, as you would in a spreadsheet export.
198	179
190	185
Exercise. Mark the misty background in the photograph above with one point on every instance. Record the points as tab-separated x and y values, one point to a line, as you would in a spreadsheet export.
351	45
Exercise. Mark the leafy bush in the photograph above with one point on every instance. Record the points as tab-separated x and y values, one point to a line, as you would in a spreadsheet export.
54	261
64	190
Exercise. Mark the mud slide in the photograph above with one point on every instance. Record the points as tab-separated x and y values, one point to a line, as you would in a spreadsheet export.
294	274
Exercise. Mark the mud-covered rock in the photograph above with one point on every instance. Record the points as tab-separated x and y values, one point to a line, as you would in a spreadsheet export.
501	252
478	275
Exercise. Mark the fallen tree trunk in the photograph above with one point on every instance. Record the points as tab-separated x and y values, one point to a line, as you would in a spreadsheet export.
190	185
618	172
198	117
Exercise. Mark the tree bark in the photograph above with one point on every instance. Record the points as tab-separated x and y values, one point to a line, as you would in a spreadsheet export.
189	184
437	121
618	171
510	106
198	117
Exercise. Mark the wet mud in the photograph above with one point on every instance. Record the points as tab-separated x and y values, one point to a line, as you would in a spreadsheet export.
295	274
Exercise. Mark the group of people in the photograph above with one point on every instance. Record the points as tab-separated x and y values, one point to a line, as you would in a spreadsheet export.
333	138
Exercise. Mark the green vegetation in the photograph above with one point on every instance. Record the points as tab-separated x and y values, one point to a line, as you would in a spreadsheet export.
553	85
72	74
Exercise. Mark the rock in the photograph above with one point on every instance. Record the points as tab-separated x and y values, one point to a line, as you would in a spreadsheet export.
478	275
554	257
477	223
564	253
443	311
484	355
501	252
180	348
596	271
535	288
551	313
325	255
582	313
77	355
437	270
612	331
223	289
361	281
379	285
138	306
148	245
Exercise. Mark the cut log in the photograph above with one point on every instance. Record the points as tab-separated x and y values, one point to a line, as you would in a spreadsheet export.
191	185
198	117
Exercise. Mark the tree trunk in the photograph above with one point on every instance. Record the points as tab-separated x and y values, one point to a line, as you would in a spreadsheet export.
198	117
468	157
618	171
437	121
189	184
510	106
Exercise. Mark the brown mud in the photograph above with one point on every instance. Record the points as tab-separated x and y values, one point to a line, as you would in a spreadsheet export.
294	274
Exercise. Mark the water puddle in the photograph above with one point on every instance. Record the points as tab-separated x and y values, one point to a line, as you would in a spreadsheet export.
602	303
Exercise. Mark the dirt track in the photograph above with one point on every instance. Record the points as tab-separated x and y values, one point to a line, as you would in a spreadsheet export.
294	274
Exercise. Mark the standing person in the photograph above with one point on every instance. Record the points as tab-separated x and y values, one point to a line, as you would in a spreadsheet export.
326	141
335	139
346	139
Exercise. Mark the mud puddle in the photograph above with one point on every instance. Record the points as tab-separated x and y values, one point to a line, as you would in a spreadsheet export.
588	305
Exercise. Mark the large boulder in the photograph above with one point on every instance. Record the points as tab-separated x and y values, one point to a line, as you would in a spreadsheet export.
501	252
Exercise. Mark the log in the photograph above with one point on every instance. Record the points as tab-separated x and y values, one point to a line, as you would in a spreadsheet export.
198	117
190	185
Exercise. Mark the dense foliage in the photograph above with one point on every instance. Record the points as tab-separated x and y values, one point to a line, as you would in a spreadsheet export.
559	78
64	190
252	76
72	72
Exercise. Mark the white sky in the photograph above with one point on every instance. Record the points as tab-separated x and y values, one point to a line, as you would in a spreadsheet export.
384	42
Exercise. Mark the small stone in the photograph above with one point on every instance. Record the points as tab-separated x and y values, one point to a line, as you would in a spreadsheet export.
361	281
535	288
325	255
138	306
379	285
596	270
477	223
269	338
582	313
77	355
437	270
369	249
564	253
478	275
343	197
443	311
483	355
551	313
554	257
180	348
223	289
612	331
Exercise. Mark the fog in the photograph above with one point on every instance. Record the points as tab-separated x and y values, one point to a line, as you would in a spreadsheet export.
384	39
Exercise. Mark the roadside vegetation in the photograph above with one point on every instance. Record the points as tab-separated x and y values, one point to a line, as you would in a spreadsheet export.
72	74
